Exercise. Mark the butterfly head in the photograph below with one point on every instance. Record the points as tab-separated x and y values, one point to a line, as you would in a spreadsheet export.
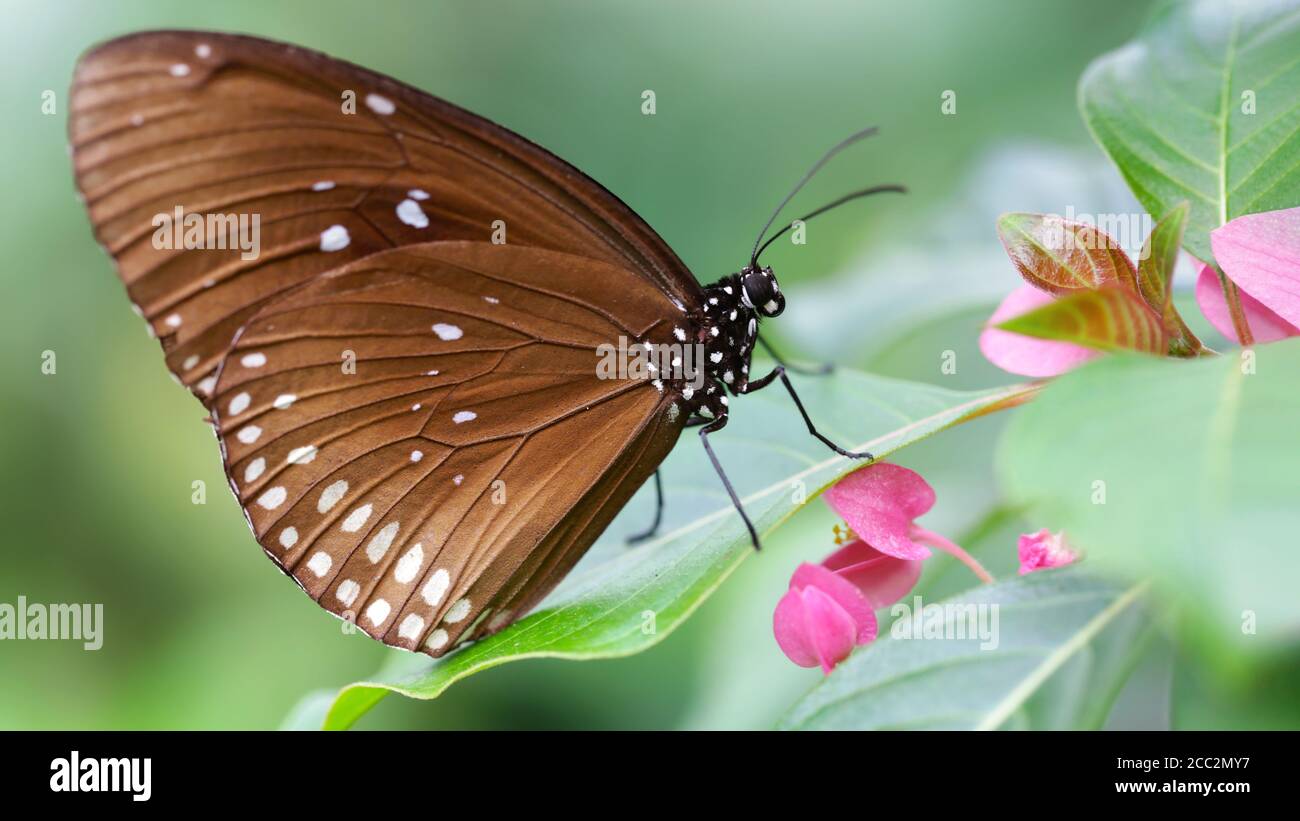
760	291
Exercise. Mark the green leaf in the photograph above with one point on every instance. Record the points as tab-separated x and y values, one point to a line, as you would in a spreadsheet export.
1178	470
1111	319
1062	256
623	600
1204	106
1263	698
1155	278
1065	642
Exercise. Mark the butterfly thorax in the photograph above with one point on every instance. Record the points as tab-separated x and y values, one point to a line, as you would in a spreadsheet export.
724	329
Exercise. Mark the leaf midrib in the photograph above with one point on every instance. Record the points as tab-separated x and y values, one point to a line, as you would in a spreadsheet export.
1031	683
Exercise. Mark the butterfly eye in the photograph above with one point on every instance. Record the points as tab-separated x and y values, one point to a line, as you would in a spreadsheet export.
763	292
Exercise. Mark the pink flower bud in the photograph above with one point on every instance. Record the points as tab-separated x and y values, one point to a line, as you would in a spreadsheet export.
1044	549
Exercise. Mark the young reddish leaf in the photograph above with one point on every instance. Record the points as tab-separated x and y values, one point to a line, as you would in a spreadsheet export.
1061	256
1155	277
1108	319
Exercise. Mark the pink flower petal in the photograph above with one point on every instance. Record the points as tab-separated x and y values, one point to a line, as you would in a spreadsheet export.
832	631
851	600
882	578
879	503
1026	355
790	628
1042	550
813	630
1265	325
1261	252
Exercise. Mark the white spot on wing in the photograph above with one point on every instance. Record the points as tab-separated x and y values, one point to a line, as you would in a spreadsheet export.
272	498
437	639
239	404
447	332
411	627
335	238
320	563
410	212
284	400
347	592
381	542
357	518
248	434
289	537
464	416
323	185
302	455
179	70
330	496
436	587
190	362
418	194
409	564
380	104
378	611
458	611
253	360
254	469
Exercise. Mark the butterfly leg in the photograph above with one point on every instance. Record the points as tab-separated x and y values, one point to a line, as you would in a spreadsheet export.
713	427
820	370
659	514
779	373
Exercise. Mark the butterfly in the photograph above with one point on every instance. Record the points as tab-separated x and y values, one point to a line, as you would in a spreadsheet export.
390	308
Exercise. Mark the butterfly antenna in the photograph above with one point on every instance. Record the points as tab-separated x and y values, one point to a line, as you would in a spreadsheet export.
856	195
837	148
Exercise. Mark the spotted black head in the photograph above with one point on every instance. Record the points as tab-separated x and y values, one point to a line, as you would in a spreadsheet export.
760	291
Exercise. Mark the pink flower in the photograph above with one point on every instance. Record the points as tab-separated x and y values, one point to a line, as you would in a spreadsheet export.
1261	253
821	618
882	578
1265	325
879	502
1026	355
1044	549
829	608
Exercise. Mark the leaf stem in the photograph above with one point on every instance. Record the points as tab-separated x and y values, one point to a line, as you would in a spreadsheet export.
1233	297
933	539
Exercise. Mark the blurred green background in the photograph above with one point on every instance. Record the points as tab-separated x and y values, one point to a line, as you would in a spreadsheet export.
201	631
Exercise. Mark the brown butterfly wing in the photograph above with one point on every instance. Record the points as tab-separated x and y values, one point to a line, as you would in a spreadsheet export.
421	439
218	123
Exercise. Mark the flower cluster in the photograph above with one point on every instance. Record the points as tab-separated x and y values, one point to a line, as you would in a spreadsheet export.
830	607
1259	253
